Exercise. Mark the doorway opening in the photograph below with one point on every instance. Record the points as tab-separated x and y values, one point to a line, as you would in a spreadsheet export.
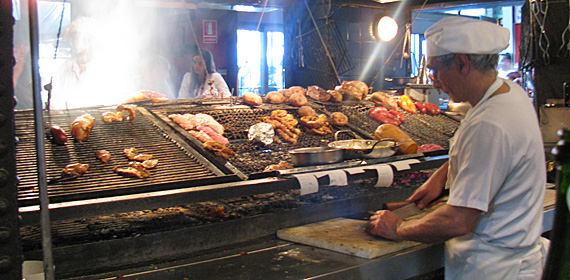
260	61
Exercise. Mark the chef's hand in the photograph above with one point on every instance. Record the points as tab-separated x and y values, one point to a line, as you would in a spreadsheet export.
431	189
425	194
385	224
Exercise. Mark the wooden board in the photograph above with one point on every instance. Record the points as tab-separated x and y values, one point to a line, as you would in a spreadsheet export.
344	236
347	235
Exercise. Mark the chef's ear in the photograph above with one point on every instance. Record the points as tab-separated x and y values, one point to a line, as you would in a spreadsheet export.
462	61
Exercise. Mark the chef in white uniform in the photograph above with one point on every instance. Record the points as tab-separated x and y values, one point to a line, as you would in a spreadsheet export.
496	174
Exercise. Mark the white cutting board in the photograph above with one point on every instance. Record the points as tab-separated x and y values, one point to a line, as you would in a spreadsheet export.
345	236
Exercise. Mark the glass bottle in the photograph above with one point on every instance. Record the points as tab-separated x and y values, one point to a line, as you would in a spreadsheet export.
558	261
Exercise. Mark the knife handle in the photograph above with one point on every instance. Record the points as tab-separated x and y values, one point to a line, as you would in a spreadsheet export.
394	205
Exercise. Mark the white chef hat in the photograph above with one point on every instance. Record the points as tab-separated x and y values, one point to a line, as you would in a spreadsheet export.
464	35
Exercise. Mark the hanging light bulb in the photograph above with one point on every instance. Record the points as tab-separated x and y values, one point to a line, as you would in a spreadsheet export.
387	28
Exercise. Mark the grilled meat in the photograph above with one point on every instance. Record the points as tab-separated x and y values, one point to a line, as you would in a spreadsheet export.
81	127
104	156
58	135
74	170
132	154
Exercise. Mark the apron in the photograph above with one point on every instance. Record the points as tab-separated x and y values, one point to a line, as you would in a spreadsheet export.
470	257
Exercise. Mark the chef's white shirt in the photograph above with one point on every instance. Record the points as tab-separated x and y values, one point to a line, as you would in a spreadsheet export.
497	165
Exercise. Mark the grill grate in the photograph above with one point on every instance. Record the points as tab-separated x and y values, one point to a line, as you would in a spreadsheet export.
253	157
422	128
177	167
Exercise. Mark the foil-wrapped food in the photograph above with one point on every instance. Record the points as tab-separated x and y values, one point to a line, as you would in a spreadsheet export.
261	132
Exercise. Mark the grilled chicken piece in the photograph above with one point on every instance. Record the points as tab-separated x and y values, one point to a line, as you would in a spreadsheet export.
104	156
129	110
151	163
132	171
132	154
74	170
112	117
81	127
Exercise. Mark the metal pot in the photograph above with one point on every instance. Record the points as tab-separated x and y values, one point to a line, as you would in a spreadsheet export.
315	156
358	148
401	81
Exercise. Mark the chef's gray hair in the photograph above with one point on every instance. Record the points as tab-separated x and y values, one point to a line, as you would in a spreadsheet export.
481	62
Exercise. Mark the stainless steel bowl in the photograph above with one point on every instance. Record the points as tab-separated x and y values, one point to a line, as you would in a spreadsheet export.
315	156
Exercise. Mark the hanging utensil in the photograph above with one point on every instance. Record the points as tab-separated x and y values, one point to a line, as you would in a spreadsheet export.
406	44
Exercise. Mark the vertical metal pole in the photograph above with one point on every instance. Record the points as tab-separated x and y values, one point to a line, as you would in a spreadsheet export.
40	148
264	69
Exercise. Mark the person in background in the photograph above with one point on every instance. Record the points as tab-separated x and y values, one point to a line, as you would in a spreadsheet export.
155	76
204	81
492	221
87	77
505	67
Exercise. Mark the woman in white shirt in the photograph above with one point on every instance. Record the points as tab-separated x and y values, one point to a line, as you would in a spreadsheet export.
204	81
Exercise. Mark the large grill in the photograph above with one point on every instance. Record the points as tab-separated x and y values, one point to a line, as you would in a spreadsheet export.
251	157
179	165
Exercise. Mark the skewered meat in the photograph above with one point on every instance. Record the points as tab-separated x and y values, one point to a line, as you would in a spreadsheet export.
81	127
384	99
58	135
306	111
252	99
318	94
280	166
104	156
74	170
284	124
338	118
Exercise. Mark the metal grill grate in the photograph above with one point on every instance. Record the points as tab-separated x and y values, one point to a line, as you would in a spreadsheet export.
422	128
178	165
253	157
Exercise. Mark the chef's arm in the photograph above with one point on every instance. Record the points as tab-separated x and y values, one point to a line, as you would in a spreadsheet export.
431	189
442	224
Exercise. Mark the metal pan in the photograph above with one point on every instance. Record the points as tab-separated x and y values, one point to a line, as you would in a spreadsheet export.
358	148
316	156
